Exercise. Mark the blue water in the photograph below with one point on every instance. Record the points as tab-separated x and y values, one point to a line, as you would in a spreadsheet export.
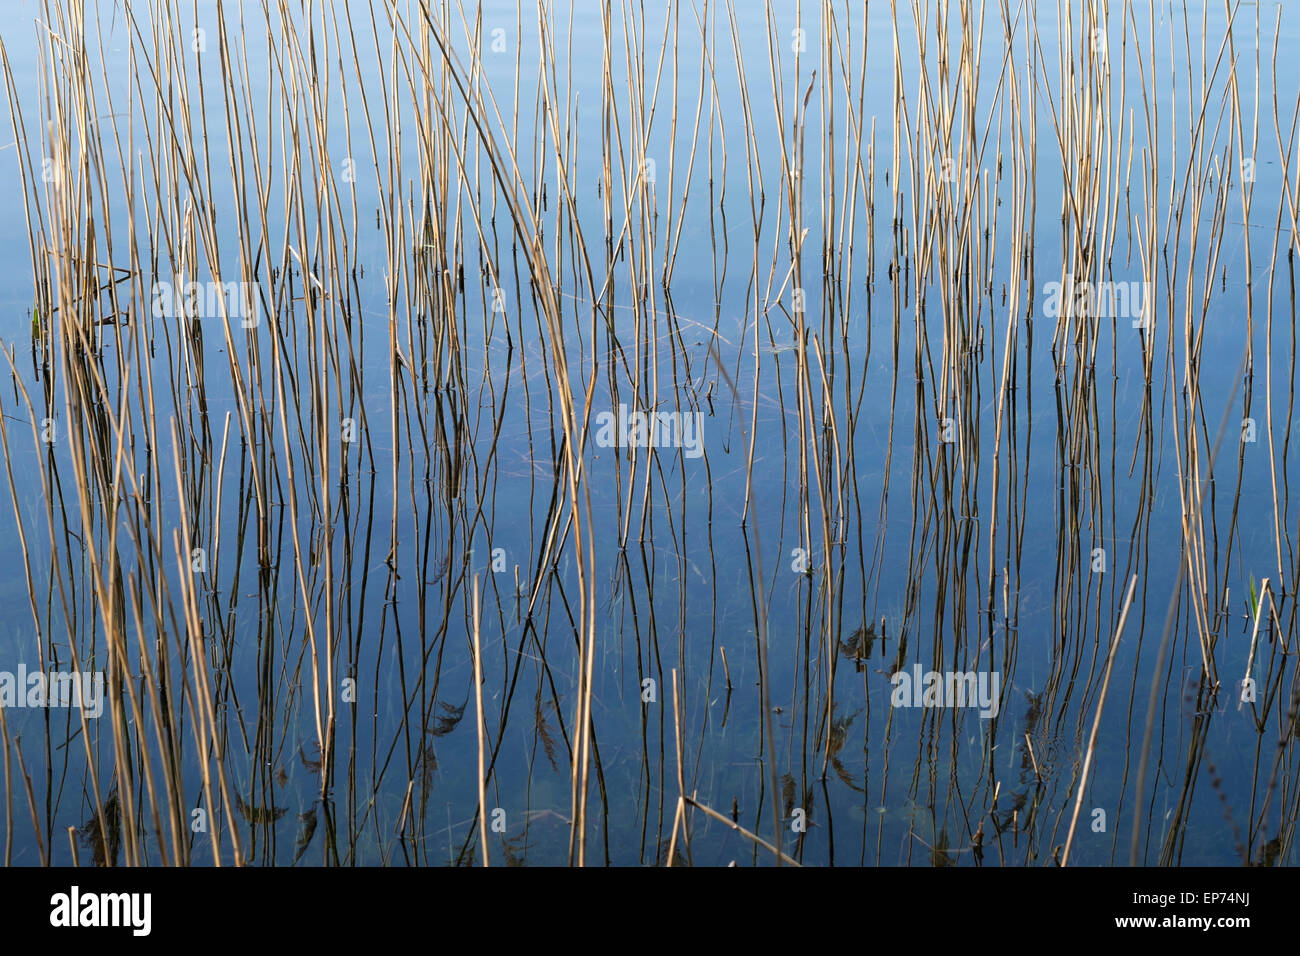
978	555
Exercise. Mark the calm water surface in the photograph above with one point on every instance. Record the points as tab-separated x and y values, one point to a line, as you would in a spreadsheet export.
270	539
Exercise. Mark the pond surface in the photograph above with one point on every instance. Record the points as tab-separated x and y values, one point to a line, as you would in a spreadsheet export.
674	434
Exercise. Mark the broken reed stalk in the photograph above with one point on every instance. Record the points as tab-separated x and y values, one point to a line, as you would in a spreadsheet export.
780	855
479	725
1254	637
1096	720
9	804
679	818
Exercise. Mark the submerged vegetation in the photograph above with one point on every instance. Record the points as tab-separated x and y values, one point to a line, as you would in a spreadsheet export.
534	433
